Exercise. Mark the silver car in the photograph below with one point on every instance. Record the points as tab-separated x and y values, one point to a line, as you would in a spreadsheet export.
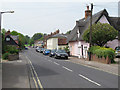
117	51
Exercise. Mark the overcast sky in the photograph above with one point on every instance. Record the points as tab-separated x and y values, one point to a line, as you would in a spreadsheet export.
35	16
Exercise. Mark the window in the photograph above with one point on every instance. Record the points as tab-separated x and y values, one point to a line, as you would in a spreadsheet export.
7	39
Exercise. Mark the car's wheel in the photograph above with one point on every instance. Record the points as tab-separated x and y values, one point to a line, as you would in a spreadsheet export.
55	57
66	57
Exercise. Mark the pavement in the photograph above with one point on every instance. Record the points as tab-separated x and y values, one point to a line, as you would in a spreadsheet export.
15	74
110	68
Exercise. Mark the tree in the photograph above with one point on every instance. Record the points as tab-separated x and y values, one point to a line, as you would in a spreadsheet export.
3	38
27	39
37	36
68	32
31	42
101	34
14	33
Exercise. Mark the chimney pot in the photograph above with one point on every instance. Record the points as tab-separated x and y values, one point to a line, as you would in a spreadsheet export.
87	12
87	7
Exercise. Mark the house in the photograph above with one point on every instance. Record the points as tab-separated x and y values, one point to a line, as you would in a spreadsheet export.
11	39
58	41
78	47
47	36
38	43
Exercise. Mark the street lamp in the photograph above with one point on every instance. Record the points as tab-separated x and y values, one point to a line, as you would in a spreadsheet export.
0	31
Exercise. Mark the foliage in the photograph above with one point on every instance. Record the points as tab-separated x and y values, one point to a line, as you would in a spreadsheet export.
14	33
3	38
31	42
5	56
27	39
11	50
37	36
68	32
103	52
67	49
101	34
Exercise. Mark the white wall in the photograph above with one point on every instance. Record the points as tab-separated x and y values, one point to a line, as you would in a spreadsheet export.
52	43
103	19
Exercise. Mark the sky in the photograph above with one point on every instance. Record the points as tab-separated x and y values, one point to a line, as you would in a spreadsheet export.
36	16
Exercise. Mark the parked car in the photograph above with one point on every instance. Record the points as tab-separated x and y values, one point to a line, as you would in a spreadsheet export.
41	50
47	51
61	54
52	53
44	51
38	49
117	51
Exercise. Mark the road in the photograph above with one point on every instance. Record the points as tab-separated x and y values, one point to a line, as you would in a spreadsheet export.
57	73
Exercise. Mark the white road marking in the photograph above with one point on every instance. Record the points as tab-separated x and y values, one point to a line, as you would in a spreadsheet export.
56	63
89	80
67	69
19	60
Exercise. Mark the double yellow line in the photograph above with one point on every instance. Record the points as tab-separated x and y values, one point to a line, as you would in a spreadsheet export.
33	70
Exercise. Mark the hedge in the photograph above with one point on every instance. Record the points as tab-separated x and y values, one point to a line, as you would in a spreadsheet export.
9	50
5	56
103	52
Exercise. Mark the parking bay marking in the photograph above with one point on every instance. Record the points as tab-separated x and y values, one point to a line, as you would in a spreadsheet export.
67	69
89	80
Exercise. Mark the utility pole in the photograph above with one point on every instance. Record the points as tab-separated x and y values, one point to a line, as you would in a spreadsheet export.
90	30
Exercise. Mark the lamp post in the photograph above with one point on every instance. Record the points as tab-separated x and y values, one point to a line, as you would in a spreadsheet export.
1	32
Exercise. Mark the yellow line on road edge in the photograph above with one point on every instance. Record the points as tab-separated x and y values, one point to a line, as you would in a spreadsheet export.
35	74
34	78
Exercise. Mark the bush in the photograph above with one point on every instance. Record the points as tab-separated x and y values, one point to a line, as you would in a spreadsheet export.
5	56
12	50
103	52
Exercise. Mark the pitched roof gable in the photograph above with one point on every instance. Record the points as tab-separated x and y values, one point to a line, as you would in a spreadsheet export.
83	24
11	42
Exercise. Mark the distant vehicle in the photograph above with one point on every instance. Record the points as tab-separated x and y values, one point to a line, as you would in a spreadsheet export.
41	50
47	51
52	53
38	49
26	48
44	51
117	51
61	54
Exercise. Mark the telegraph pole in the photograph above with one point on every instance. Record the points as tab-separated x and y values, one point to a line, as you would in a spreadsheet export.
90	30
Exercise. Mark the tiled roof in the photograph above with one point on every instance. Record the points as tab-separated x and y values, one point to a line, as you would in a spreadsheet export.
14	37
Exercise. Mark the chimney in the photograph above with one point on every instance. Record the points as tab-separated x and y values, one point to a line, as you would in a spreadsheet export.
77	22
51	33
57	31
87	12
7	33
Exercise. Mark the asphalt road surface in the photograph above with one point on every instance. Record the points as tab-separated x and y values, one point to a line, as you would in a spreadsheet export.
59	73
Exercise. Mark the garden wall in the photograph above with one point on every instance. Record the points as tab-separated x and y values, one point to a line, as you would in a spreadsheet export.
102	60
13	57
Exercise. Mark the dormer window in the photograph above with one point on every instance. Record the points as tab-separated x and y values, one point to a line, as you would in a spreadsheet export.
7	39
